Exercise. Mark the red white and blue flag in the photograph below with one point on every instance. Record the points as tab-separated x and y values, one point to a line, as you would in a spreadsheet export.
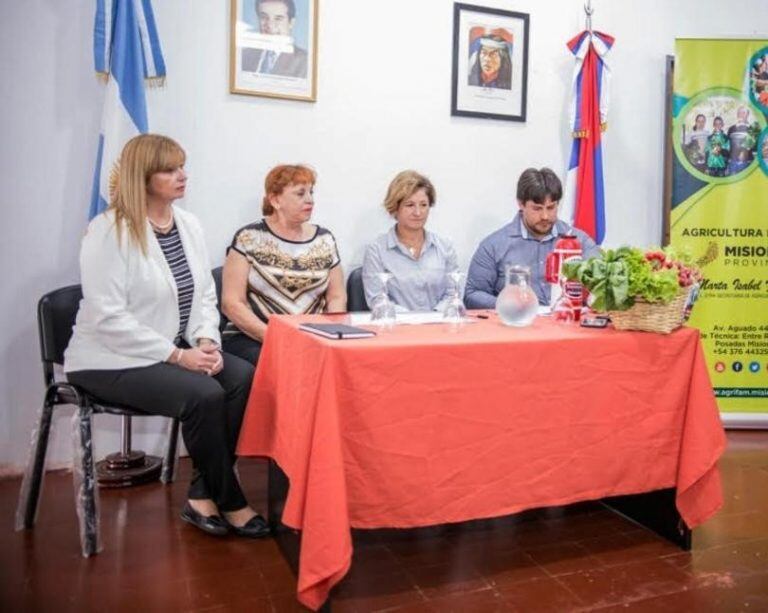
584	199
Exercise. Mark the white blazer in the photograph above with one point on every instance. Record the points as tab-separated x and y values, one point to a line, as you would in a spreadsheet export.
129	314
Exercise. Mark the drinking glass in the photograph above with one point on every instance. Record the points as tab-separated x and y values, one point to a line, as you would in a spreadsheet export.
563	310
454	310
383	310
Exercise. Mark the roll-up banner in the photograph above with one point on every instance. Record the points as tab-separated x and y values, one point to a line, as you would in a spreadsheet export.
719	210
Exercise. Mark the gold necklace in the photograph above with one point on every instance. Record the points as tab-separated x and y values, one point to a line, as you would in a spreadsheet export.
413	248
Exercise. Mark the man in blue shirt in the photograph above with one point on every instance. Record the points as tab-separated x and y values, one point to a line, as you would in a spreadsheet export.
526	240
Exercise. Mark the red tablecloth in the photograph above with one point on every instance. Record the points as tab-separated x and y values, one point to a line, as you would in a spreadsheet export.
427	425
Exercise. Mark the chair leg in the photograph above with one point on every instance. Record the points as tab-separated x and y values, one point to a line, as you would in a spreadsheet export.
84	475
32	483
170	461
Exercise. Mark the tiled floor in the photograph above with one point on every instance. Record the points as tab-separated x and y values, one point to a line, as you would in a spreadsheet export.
579	558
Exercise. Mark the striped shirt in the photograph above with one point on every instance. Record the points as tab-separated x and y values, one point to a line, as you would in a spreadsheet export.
173	250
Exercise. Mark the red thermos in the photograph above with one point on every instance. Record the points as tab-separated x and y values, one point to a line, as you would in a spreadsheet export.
567	247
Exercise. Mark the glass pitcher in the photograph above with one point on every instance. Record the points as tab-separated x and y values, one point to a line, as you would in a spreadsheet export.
517	304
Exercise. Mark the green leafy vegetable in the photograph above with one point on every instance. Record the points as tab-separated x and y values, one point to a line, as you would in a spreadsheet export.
617	277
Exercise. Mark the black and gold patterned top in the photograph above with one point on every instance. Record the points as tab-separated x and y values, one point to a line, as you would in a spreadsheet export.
286	277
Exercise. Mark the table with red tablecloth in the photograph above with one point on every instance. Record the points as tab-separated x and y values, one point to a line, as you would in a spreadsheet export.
431	424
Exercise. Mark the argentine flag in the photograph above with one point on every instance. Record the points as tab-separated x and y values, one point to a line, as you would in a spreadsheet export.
127	52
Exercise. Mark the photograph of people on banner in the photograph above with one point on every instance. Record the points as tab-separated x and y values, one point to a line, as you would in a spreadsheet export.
718	134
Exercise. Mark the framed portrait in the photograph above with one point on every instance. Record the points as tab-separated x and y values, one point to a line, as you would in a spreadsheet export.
273	48
490	63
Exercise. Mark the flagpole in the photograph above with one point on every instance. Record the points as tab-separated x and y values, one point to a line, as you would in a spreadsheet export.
127	56
584	198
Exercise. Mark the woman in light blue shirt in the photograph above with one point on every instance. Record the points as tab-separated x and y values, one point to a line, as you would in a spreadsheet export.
418	260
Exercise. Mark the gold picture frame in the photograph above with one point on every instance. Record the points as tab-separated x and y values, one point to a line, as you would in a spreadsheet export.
273	48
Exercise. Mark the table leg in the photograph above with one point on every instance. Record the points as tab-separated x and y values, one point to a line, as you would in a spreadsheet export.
288	539
656	511
277	492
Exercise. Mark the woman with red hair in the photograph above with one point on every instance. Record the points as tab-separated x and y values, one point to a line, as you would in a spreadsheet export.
280	265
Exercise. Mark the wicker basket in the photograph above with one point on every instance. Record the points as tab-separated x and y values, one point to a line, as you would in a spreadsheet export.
652	317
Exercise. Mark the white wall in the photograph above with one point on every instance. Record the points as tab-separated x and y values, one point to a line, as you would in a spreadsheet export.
383	105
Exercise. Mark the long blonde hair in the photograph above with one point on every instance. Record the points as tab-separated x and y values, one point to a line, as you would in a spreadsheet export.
142	156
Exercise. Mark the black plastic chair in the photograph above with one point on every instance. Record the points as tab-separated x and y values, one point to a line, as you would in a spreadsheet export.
56	314
217	274
356	292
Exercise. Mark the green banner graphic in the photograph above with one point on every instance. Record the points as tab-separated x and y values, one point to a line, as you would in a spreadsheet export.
720	207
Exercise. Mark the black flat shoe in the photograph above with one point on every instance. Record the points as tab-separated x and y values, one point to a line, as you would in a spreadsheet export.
213	524
255	528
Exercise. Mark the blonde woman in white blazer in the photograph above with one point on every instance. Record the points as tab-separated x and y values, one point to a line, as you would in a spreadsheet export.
147	331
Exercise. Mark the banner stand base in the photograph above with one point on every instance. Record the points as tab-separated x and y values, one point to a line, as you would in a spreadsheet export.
745	421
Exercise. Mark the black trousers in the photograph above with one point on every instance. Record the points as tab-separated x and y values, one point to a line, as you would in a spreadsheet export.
210	409
243	347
